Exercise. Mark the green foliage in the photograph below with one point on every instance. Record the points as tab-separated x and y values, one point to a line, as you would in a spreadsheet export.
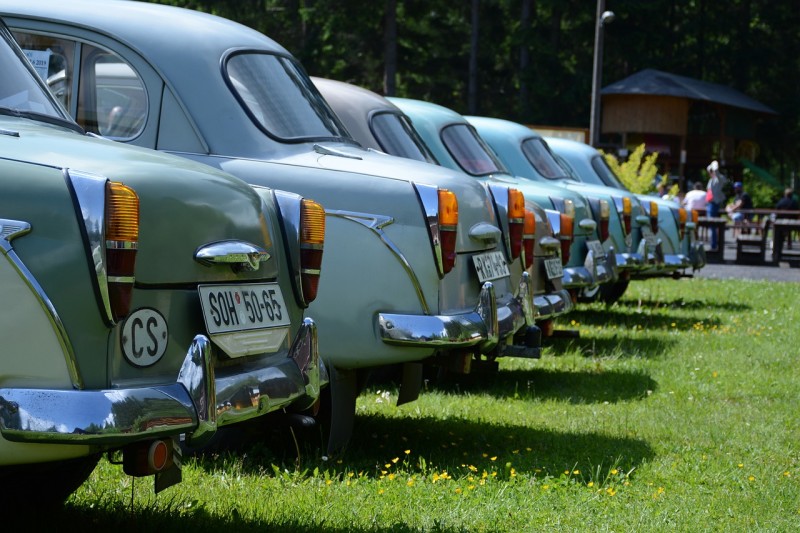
638	172
763	194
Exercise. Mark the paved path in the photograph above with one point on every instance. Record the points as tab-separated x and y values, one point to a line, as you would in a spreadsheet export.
785	271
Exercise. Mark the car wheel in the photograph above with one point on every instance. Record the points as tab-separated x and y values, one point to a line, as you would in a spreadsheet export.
45	484
611	292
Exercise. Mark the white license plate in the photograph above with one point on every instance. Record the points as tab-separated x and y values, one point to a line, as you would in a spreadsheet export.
491	265
554	268
596	247
228	308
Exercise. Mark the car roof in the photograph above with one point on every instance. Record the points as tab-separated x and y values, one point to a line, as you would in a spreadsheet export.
165	25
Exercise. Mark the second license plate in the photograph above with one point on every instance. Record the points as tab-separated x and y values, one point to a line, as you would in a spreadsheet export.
491	265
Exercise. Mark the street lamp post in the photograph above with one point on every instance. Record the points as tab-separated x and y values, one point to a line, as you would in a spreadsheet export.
603	17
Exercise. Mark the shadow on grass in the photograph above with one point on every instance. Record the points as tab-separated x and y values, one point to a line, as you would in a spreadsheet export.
622	319
579	387
682	303
642	346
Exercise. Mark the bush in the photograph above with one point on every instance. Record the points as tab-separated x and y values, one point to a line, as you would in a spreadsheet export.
638	173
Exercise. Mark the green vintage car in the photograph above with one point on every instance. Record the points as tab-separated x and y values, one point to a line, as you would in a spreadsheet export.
147	299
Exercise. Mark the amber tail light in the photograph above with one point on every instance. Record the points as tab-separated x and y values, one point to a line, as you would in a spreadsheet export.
654	217
528	238
448	228
682	221
122	241
605	214
626	215
516	221
567	232
312	239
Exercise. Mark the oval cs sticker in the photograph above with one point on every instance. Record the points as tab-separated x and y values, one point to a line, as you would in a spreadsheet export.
144	337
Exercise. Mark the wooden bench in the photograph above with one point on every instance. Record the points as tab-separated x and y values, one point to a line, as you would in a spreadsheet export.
752	247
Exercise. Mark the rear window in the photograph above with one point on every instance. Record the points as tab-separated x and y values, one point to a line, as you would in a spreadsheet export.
541	159
396	137
469	150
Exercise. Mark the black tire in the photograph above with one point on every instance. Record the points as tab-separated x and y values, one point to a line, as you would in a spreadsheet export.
45	484
611	292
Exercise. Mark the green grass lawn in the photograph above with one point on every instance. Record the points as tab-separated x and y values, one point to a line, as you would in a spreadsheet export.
676	409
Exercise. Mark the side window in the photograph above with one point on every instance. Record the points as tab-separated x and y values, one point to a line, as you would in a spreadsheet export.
111	99
54	61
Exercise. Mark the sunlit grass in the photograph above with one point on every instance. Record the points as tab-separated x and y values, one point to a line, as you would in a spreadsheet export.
674	409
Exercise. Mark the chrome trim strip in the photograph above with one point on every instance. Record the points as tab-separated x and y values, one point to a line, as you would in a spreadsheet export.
499	194
239	255
90	193
376	223
9	230
122	245
289	207
121	279
429	198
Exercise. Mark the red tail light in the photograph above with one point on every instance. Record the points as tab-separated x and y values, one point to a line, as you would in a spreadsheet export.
528	238
626	215
654	217
566	237
312	239
448	226
682	221
516	221
605	213
122	241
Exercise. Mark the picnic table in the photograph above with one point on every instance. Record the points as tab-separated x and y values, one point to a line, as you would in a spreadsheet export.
781	230
718	224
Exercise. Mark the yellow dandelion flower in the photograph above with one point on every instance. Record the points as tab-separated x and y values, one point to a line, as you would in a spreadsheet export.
380	491
485	455
714	374
395	460
328	481
407	452
751	478
740	465
611	491
494	474
471	487
472	468
435	477
350	474
391	477
545	487
410	482
576	472
614	472
515	451
513	473
529	449
348	483
590	484
482	482
388	465
787	474
493	458
458	490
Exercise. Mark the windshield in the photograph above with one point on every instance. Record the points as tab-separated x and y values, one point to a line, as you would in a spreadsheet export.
20	91
606	175
540	157
396	137
280	97
469	151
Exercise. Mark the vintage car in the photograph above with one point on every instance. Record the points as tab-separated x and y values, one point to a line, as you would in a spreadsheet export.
527	155
378	124
417	261
676	233
147	299
455	144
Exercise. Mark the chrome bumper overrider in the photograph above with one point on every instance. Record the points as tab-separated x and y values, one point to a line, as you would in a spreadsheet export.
595	270
552	304
631	261
482	327
195	405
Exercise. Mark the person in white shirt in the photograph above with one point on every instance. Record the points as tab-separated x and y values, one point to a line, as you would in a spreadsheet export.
696	198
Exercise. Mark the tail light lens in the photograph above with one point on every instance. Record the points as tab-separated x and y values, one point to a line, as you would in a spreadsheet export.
528	238
654	217
516	221
122	241
626	214
605	214
566	237
682	217
312	239
448	226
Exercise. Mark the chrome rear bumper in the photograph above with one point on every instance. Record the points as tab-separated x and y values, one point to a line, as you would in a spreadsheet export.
195	405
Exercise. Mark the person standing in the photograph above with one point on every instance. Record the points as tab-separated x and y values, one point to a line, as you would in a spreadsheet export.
715	198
